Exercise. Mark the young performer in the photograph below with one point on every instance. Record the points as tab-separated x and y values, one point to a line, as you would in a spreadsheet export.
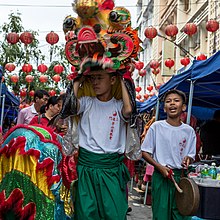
169	145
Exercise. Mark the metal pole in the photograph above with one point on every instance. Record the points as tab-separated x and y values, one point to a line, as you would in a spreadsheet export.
0	91
190	102
2	113
157	109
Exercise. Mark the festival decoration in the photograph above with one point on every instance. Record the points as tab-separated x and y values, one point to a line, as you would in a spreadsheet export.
138	96
156	71
158	86
190	29
139	65
29	78
149	88
154	64
14	78
150	32
185	61
171	30
58	69
42	68
31	93
23	93
212	25
56	78
142	72
26	37
52	38
201	57
12	38
70	35
27	68
146	96
10	67
43	78
169	63
138	89
52	92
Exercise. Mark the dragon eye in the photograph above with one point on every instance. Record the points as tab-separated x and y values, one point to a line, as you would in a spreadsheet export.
69	22
113	16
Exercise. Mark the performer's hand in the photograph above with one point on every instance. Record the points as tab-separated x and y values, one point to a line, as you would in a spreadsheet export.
164	171
186	161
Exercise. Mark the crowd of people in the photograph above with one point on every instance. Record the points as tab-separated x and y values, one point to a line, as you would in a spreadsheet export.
100	190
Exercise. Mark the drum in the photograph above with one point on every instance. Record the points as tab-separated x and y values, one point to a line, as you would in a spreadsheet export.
187	200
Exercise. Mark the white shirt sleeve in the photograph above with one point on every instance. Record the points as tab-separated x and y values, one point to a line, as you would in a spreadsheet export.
148	144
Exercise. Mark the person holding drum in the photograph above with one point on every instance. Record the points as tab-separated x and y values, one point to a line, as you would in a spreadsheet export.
170	146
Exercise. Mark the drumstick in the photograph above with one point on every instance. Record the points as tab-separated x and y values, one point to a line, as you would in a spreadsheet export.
176	185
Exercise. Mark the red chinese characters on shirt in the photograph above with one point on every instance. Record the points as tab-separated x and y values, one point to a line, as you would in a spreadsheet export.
182	145
113	118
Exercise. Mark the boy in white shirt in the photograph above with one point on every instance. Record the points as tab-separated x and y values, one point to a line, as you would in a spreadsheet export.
169	144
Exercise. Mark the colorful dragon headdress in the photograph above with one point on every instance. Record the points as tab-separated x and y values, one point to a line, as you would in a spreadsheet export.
100	34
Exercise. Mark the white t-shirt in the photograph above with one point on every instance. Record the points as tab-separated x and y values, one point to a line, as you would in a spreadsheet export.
169	144
102	128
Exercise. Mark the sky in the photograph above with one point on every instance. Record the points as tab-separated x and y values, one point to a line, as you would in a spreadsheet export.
45	16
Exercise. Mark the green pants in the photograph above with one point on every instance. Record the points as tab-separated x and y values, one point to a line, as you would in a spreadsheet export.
101	187
163	197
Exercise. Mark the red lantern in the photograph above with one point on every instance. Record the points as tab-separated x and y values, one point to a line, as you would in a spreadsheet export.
158	86
169	63
31	93
70	35
201	57
27	68
56	78
154	64
72	76
212	25
26	37
42	68
150	88
12	38
14	78
150	32
10	67
58	69
52	92
139	65
138	96
190	29
29	78
142	72
156	71
23	93
146	96
73	68
52	38
138	89
171	30
43	78
152	94
185	61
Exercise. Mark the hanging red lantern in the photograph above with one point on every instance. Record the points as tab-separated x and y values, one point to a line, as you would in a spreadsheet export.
72	76
185	61
201	57
56	78
158	86
42	68
138	89
150	32
14	78
190	29
52	38
171	30
156	71
23	93
142	72
154	64
169	63
70	35
26	38
139	65
138	96
10	67
52	92
152	93
27	68
58	69
212	25
73	68
146	96
43	78
150	88
12	38
29	78
31	93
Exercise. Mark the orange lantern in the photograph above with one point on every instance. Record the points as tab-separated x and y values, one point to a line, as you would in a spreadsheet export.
56	78
26	37
150	32
10	67
27	68
43	78
201	57
12	38
58	69
169	63
29	78
190	29
171	30
212	25
52	38
185	61
42	68
14	78
154	64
